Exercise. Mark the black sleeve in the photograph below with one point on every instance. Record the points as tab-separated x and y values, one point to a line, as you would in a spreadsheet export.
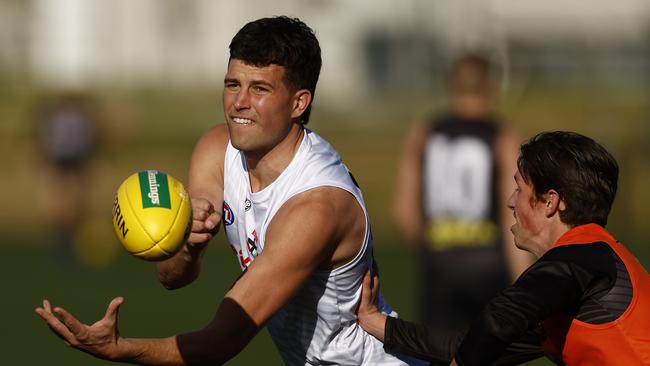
438	346
420	341
528	348
557	282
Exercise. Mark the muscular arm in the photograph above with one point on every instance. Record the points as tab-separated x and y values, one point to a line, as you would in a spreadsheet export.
206	346
316	229
206	189
302	237
407	199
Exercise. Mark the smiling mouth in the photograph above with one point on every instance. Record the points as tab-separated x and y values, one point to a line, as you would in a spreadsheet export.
242	121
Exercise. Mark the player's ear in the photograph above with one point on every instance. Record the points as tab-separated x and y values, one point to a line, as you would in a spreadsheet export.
301	100
553	203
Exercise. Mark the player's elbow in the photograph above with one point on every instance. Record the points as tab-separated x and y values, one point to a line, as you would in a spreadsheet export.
409	224
173	284
170	285
173	281
411	230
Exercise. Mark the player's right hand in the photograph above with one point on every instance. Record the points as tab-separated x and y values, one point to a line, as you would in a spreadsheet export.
369	294
370	318
205	222
99	339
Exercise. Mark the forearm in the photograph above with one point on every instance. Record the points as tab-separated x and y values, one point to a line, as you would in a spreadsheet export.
227	334
420	341
547	287
181	269
163	352
439	345
186	349
374	324
400	336
412	339
527	348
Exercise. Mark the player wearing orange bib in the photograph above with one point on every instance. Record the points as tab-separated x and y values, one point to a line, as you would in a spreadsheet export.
585	300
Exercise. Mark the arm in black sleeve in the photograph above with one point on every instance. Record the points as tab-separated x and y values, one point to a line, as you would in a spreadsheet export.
556	282
420	341
438	346
528	348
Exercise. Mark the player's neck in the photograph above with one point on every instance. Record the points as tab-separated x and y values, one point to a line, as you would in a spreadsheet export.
473	108
264	169
549	237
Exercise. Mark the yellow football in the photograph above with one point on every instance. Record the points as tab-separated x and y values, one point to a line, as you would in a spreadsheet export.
152	215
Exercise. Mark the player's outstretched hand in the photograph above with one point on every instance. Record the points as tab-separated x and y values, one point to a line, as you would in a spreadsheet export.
99	339
205	222
370	318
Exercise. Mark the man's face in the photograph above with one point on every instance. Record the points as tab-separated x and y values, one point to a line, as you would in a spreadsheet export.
258	106
530	216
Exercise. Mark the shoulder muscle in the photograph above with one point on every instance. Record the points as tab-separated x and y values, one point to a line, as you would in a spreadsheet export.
206	165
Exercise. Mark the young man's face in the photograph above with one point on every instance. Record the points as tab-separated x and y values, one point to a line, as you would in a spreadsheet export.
258	106
530	215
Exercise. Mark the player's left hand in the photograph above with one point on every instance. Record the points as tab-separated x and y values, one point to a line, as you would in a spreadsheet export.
99	339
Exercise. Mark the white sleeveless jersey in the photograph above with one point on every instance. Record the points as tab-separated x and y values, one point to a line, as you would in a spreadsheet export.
318	326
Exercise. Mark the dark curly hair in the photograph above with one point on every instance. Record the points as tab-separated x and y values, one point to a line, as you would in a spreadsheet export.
282	41
583	173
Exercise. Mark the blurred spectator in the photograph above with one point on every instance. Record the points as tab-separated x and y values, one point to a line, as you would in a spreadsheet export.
454	177
67	130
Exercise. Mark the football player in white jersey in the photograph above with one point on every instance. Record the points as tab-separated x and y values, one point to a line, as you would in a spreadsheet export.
303	268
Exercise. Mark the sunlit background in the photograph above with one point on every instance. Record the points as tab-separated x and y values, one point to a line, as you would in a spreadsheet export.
150	74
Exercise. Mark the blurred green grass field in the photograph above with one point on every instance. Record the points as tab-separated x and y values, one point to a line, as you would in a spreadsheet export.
31	274
156	129
149	310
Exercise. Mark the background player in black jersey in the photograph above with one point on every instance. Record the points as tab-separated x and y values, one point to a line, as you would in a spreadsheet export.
67	134
454	176
585	300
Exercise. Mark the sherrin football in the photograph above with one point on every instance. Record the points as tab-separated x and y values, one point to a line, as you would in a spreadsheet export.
152	215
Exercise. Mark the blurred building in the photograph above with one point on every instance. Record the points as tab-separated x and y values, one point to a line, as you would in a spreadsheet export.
367	44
